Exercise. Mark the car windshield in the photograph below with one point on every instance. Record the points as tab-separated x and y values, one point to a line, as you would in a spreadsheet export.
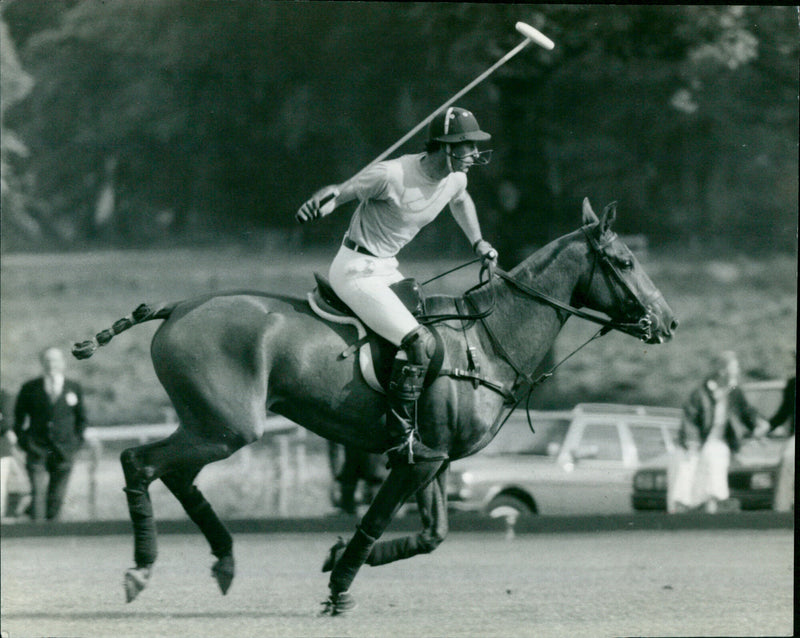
515	437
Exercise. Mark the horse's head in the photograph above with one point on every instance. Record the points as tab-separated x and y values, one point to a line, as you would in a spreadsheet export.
615	283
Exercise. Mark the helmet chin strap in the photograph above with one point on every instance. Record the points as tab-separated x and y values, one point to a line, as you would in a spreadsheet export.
447	151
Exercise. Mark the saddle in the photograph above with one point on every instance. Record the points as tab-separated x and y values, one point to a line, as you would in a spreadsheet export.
376	354
408	290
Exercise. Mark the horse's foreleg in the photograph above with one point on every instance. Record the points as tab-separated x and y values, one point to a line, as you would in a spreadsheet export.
203	515
432	505
401	483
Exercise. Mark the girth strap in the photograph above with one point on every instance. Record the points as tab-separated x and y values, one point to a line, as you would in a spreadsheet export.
458	373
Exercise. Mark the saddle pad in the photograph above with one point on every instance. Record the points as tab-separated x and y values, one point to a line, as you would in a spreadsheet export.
375	355
322	309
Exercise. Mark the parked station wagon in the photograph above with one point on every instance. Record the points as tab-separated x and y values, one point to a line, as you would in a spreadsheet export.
578	461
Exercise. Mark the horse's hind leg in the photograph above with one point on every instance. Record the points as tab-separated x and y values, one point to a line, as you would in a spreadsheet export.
141	466
181	484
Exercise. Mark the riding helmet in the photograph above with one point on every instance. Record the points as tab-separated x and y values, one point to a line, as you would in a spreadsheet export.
454	125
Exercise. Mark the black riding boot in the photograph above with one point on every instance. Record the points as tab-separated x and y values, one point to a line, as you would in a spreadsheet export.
405	386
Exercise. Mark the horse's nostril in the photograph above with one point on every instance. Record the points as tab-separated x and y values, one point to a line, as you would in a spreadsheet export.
674	325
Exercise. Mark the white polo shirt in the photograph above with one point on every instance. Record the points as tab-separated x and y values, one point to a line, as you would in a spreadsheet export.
397	200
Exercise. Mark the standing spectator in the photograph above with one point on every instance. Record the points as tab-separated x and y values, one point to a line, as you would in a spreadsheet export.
7	441
716	418
49	421
12	479
349	466
368	468
784	489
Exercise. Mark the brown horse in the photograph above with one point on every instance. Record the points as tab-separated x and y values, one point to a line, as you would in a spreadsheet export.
226	359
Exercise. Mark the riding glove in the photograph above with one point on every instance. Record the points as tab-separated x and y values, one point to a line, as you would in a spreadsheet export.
485	251
321	203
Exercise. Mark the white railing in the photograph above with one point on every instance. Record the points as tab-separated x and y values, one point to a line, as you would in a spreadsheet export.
280	431
143	432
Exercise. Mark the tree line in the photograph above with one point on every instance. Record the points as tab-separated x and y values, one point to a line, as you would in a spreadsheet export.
134	123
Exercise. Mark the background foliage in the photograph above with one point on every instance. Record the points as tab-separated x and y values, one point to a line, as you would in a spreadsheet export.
142	123
190	123
744	304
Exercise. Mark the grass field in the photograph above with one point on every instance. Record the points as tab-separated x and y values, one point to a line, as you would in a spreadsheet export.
623	583
735	303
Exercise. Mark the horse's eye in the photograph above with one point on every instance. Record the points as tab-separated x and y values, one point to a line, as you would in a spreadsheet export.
626	263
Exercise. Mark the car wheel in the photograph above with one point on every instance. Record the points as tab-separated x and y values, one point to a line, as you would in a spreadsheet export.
508	507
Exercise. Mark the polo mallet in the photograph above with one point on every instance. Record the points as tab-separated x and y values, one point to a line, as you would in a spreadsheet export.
531	35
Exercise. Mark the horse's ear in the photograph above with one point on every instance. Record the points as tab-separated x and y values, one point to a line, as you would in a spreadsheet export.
608	217
588	214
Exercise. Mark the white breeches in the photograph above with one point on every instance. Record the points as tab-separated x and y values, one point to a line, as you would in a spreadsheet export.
711	480
784	489
363	283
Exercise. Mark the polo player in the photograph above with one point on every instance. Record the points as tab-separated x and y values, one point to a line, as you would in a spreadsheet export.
396	199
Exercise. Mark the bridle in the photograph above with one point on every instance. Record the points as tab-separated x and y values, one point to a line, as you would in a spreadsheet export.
641	328
524	384
630	302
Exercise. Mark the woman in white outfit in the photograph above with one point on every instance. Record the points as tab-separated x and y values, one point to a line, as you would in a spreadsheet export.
716	418
397	198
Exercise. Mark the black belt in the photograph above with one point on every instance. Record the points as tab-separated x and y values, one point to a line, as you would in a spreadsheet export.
349	243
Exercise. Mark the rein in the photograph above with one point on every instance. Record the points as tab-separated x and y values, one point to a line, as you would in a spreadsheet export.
533	383
607	324
514	396
598	251
458	316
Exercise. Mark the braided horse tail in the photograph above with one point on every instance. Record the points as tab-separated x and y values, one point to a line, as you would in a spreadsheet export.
86	349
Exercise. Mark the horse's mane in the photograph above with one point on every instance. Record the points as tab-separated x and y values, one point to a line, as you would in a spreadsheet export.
540	259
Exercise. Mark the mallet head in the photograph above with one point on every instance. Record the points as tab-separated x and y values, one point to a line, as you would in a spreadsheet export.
535	35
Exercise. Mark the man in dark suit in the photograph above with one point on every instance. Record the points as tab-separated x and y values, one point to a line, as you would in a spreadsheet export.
49	421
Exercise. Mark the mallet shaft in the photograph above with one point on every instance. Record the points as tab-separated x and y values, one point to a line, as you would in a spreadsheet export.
531	35
467	88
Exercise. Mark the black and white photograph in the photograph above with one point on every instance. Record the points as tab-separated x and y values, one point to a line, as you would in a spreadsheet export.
397	319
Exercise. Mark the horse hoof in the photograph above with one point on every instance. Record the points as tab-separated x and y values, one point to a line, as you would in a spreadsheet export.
135	581
333	555
338	604
223	571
